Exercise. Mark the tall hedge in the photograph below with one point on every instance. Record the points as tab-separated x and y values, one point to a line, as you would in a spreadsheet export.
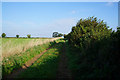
99	49
87	30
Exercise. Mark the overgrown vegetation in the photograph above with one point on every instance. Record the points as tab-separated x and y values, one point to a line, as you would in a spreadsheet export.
16	61
11	46
46	66
93	50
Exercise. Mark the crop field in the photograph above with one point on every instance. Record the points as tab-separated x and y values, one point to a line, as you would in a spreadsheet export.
11	46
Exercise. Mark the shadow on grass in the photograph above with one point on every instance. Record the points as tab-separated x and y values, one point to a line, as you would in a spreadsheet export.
46	66
99	59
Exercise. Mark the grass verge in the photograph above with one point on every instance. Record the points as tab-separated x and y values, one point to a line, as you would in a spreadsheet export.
16	61
73	59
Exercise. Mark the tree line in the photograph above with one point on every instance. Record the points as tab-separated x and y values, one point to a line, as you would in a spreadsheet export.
55	34
17	36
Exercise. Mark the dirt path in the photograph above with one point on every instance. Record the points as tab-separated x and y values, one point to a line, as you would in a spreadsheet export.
15	73
63	71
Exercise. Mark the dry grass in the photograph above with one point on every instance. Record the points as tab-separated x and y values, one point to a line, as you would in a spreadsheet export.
13	46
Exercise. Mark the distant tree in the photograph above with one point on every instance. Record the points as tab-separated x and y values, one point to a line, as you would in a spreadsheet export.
60	35
29	36
3	35
55	34
17	36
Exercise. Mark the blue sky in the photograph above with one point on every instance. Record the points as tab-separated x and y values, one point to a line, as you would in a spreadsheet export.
119	14
41	19
60	0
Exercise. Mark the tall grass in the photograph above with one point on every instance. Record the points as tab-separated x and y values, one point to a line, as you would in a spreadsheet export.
11	46
16	61
46	66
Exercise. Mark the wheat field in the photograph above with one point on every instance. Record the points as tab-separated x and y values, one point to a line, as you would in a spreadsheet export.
11	46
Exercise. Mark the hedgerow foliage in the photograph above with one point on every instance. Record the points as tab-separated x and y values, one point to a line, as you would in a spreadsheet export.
88	30
98	47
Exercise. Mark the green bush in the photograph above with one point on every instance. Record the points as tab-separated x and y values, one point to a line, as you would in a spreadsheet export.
29	36
3	35
17	36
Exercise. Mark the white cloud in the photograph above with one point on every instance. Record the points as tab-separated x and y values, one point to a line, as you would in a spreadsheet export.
73	12
109	4
115	0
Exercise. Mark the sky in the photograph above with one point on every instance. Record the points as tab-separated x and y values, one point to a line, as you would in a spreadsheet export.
119	14
60	0
41	19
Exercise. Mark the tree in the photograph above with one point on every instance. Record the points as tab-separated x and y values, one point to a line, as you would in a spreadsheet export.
3	35
87	30
29	36
60	35
17	36
95	44
55	34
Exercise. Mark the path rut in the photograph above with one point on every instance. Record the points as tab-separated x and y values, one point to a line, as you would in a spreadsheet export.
15	73
63	71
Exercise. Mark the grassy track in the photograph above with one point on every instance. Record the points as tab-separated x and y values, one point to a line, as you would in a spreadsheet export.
63	70
46	66
73	59
16	61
